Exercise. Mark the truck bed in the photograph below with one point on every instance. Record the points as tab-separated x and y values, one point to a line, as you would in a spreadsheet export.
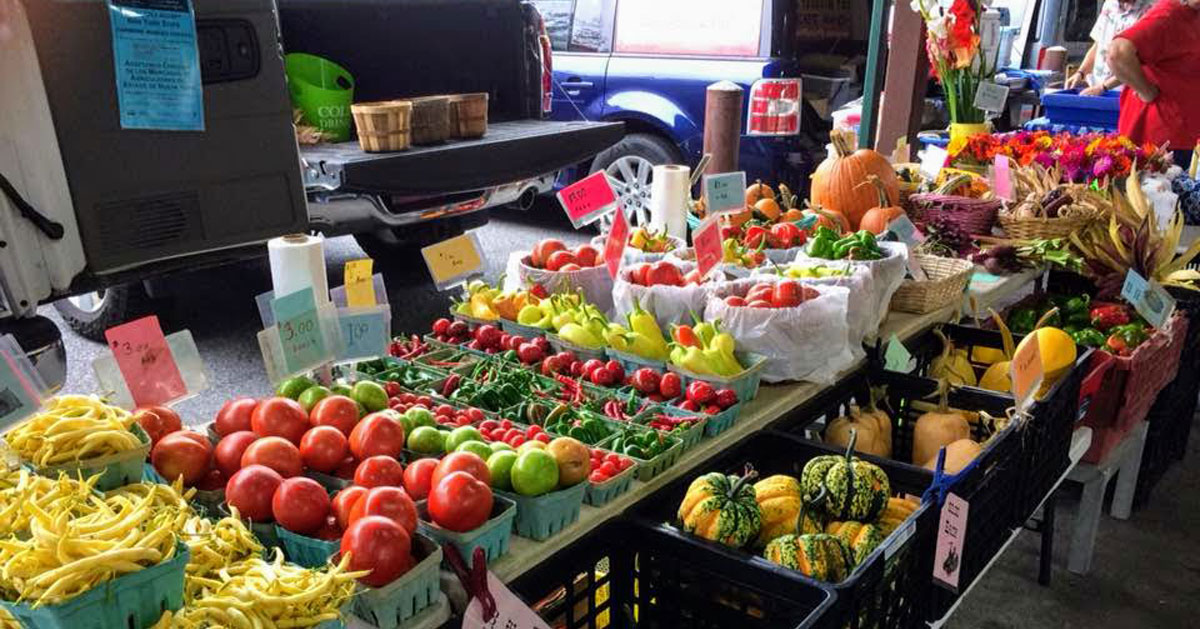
509	152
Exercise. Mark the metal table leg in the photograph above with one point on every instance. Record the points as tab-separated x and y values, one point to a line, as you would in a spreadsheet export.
1047	529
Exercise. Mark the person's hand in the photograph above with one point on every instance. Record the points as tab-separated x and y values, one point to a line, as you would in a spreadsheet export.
1093	90
1072	82
1148	96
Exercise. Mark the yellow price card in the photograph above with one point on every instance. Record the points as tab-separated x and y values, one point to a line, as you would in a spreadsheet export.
452	261
359	283
1027	374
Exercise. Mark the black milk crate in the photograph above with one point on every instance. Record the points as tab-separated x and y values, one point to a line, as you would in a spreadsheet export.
880	592
991	486
627	575
1045	438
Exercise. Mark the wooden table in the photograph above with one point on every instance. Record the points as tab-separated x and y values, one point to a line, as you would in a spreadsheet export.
772	402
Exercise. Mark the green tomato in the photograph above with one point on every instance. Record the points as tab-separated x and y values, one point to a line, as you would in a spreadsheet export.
500	464
426	440
371	395
309	398
293	387
535	472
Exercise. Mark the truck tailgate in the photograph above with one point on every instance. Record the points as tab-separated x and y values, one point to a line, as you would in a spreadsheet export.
510	151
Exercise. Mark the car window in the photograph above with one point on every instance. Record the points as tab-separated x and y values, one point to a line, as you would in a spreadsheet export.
592	28
557	16
689	27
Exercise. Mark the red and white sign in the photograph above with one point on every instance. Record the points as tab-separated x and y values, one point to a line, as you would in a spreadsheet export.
145	361
614	245
586	200
707	241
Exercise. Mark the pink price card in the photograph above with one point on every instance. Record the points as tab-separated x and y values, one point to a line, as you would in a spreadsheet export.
707	241
145	361
1002	175
588	199
952	531
614	245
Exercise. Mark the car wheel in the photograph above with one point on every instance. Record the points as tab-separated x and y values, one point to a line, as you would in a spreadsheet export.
90	314
629	165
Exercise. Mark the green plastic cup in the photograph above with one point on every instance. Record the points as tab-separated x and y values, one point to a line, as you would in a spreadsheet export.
323	91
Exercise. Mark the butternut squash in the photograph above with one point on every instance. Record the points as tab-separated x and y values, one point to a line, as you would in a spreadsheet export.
959	455
938	428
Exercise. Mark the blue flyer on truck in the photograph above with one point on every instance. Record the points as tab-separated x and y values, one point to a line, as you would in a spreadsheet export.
157	64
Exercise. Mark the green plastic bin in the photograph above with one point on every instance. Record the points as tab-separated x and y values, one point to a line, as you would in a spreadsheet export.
323	91
541	517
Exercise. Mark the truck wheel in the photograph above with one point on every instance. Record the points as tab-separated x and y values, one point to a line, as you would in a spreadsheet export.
629	165
90	314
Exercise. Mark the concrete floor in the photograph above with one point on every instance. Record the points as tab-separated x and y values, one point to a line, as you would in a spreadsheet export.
1146	572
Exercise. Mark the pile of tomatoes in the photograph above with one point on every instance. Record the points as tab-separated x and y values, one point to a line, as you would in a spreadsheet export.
786	294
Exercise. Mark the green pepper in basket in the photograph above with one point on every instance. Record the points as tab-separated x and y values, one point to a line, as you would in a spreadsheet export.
822	244
1022	320
1089	337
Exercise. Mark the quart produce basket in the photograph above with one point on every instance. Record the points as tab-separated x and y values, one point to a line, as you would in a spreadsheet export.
541	517
599	494
882	591
559	344
116	470
744	384
622	567
649	468
520	329
209	499
136	599
1045	439
389	606
632	362
302	550
991	485
690	437
492	536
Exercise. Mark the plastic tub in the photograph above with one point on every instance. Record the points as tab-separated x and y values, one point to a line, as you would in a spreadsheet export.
1069	108
492	536
389	606
541	517
323	91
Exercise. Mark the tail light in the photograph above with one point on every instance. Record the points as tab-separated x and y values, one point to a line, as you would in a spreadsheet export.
547	69
774	107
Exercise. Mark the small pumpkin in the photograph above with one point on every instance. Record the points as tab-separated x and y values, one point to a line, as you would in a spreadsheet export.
768	208
856	489
860	538
938	428
758	191
817	555
877	219
835	181
895	513
722	508
871	439
781	502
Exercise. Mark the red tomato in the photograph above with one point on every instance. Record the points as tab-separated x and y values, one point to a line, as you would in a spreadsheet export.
178	455
251	490
460	502
379	471
157	421
390	502
229	451
276	453
300	505
468	462
212	481
378	433
234	416
280	417
330	531
587	255
323	448
347	468
786	295
194	436
542	251
380	545
344	501
418	478
338	411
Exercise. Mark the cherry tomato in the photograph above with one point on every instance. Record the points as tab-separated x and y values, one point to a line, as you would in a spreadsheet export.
670	385
460	502
300	505
645	380
378	433
379	471
323	448
390	502
380	545
280	417
234	415
276	453
343	503
700	392
251	491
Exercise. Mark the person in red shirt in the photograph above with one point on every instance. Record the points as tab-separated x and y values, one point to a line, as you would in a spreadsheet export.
1158	59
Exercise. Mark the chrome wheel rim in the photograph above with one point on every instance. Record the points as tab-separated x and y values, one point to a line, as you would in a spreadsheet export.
630	177
89	302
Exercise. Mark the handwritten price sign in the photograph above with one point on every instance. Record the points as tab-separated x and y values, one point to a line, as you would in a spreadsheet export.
586	200
725	192
452	261
359	283
1149	298
1027	374
707	241
614	245
300	335
145	362
511	612
952	530
365	332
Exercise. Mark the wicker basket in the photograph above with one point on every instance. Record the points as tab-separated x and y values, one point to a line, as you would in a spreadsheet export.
975	216
468	115
1042	227
948	278
430	119
383	126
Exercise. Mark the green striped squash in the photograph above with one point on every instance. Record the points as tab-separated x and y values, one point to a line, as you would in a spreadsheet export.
722	508
818	555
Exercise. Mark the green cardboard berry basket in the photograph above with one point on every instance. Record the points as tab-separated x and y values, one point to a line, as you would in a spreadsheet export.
558	344
648	469
744	384
632	362
329	481
716	424
492	536
390	606
541	517
520	329
136	599
443	354
116	470
689	437
302	550
599	494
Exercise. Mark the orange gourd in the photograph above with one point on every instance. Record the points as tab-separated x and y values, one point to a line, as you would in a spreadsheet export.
828	218
835	184
877	218
768	208
758	191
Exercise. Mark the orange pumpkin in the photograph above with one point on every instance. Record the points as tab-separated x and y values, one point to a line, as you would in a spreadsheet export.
828	218
768	208
877	218
835	184
758	191
792	215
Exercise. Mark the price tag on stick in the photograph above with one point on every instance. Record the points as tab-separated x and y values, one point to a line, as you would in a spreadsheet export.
1002	178
724	192
952	532
145	361
19	397
614	244
1027	374
359	283
300	335
707	242
991	96
933	159
1149	298
452	262
586	200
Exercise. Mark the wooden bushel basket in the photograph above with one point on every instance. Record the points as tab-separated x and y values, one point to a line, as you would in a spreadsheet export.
383	126
430	119
468	115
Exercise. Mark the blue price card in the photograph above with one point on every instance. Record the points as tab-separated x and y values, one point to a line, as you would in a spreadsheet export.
725	192
300	336
364	332
896	356
157	64
1150	299
905	231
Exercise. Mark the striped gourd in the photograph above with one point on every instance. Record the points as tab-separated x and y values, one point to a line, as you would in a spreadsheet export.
722	508
780	499
860	538
817	555
857	489
895	513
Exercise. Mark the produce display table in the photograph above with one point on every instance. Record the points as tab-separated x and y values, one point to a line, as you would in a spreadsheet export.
772	403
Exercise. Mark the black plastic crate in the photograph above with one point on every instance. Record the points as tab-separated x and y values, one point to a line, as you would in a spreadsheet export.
1045	438
627	575
880	592
991	486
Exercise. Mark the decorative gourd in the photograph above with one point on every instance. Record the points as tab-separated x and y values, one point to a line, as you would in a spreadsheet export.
857	489
860	538
758	191
781	501
938	428
876	219
959	455
722	508
895	513
769	208
817	555
952	364
835	181
827	218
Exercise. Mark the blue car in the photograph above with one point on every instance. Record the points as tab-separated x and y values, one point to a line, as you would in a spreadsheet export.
647	63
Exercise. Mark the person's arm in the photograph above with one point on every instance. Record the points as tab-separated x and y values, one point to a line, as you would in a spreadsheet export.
1127	67
1079	78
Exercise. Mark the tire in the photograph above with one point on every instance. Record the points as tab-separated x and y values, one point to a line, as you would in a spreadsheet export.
112	306
637	151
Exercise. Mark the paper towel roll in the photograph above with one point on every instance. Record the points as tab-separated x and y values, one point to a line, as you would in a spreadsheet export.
669	193
298	262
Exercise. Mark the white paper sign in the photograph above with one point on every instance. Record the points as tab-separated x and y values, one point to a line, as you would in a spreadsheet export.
991	96
511	612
